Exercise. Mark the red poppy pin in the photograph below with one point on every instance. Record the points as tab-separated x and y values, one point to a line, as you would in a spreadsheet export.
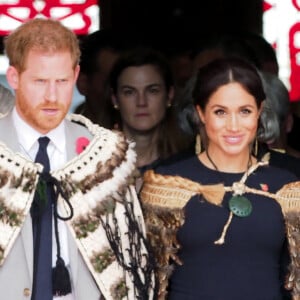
264	187
81	144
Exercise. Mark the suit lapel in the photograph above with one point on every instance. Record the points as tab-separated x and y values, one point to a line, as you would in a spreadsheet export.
27	238
73	132
9	137
71	137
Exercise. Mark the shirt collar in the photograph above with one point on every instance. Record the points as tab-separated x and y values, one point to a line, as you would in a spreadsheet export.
27	136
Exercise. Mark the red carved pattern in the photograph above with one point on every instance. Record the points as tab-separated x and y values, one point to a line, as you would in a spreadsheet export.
266	6
5	9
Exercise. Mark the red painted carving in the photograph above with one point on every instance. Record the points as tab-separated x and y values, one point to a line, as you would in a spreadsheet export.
23	10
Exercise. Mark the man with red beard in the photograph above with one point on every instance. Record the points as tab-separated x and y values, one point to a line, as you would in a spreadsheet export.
62	173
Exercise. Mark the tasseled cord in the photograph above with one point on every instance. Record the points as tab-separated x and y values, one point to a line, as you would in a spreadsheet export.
221	240
61	282
239	188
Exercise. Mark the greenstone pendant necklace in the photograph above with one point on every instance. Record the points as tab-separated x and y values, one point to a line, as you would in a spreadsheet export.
238	204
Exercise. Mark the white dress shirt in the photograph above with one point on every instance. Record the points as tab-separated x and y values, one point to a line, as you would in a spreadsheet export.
28	141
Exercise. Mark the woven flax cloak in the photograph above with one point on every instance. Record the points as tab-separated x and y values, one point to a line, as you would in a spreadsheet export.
107	224
164	197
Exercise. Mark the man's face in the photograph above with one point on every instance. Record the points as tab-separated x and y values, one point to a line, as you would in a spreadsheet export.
44	91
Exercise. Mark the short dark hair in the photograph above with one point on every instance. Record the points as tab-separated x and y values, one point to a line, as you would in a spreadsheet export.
92	44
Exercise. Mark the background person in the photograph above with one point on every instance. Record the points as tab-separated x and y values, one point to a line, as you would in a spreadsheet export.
142	93
99	51
281	153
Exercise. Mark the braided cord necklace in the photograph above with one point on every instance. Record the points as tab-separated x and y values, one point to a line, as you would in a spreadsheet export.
238	204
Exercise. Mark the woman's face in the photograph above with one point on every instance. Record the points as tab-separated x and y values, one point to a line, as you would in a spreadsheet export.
230	119
142	98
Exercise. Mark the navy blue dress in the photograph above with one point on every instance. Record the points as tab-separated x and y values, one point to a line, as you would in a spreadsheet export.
252	263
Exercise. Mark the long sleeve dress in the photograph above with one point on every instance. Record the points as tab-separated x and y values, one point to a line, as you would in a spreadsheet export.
252	263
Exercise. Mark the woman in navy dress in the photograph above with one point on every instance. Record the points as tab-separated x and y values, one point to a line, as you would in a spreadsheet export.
235	247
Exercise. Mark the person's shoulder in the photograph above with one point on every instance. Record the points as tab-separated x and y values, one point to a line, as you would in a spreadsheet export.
275	177
80	121
176	164
78	125
85	127
284	161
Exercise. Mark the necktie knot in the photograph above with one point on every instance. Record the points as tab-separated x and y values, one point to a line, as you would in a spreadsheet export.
43	142
42	156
